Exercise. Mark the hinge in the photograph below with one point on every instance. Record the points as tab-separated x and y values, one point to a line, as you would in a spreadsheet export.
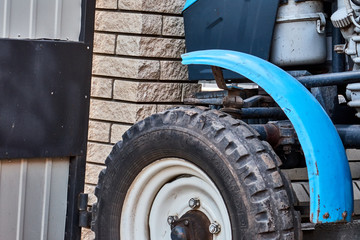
84	212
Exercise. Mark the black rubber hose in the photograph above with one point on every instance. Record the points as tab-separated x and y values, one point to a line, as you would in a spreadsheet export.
356	2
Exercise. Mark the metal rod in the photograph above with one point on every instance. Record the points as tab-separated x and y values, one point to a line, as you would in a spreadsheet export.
330	79
349	134
270	112
338	60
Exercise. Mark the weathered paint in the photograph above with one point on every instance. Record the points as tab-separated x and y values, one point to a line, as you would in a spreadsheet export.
328	168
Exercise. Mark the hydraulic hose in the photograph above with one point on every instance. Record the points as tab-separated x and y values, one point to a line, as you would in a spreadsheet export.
356	2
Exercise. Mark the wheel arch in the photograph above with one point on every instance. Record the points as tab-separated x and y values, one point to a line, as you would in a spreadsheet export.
331	193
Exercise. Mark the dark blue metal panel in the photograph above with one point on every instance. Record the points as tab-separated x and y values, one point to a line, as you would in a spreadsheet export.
240	25
331	194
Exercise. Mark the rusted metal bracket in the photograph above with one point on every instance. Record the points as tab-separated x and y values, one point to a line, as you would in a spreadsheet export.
219	77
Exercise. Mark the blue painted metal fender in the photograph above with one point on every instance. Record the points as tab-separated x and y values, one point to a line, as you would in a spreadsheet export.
188	3
331	194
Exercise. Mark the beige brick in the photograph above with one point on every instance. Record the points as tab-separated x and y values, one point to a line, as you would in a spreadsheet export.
126	68
117	130
106	4
190	88
173	70
101	87
131	4
97	152
160	6
128	22
119	111
90	190
126	90
99	131
104	43
87	234
92	173
150	46
151	24
147	92
162	108
173	26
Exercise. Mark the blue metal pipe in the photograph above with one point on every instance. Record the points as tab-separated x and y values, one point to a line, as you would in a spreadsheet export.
331	194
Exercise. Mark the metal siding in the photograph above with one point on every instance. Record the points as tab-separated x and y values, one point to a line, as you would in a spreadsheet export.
35	19
71	16
58	199
33	198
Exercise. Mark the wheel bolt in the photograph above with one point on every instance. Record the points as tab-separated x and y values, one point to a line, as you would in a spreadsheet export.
172	219
214	228
194	203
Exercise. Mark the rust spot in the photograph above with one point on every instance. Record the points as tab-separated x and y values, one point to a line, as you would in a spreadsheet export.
344	215
326	215
318	210
353	214
317	170
311	217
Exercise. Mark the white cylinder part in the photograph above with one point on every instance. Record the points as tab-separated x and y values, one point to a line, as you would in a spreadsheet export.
299	36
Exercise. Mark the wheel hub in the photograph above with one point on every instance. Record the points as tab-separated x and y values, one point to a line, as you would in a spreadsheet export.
193	225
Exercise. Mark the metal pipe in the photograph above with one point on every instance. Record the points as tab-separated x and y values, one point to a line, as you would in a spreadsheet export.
349	134
330	79
338	60
260	112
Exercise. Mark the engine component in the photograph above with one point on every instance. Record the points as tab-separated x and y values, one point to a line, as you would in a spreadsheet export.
353	94
299	35
344	19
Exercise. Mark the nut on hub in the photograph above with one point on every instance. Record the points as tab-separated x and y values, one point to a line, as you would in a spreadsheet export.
214	228
194	203
172	219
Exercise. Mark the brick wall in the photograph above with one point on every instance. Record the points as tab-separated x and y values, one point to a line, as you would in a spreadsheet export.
136	72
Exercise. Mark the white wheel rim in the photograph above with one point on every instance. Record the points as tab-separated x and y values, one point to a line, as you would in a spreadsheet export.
155	194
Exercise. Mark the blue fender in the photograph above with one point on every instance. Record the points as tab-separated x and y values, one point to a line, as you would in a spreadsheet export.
331	193
188	3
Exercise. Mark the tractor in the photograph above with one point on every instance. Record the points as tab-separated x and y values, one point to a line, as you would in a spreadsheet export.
287	98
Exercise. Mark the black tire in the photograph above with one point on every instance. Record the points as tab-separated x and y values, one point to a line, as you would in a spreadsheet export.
245	170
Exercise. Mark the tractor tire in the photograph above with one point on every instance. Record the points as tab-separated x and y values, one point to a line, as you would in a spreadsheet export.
171	159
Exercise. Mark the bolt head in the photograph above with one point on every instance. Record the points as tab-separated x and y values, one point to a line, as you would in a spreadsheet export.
194	203
172	219
214	228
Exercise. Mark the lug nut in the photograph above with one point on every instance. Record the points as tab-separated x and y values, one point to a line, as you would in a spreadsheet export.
214	228
172	219
194	203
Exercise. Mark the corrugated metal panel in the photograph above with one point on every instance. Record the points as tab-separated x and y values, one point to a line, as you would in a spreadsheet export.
33	198
34	19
